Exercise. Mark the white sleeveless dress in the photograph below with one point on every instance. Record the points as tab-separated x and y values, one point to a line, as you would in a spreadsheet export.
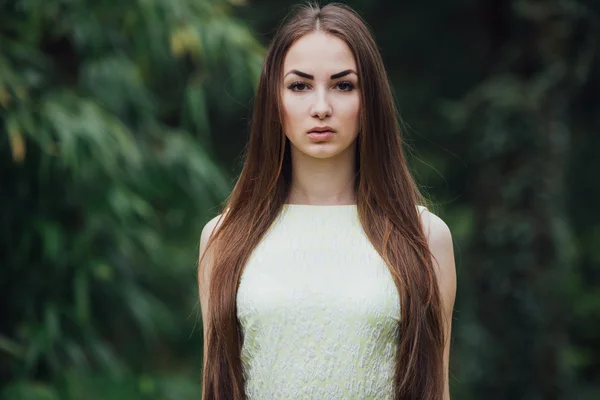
318	309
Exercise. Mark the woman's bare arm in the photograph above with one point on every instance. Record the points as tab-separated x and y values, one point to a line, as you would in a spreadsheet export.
440	245
205	263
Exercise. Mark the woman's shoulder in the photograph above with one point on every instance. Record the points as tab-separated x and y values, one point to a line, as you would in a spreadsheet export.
210	227
436	230
205	260
439	239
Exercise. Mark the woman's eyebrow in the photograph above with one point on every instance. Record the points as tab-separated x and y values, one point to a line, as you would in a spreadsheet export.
308	76
343	73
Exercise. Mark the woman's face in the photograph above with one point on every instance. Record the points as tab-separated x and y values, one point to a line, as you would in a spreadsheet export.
320	96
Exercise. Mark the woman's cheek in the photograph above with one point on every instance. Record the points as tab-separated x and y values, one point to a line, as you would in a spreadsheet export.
288	117
296	113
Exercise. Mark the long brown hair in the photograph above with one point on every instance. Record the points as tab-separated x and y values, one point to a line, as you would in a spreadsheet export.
386	202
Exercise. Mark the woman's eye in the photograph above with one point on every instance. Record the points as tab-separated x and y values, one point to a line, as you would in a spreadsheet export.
298	86
345	86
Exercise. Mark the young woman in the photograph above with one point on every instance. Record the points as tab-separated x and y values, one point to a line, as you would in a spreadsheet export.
323	278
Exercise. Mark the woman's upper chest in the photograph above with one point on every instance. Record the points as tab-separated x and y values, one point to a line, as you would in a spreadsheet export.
317	260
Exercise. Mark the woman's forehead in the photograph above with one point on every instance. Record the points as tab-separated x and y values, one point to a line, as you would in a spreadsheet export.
319	53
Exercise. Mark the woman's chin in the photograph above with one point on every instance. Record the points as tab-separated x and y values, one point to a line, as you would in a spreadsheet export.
323	151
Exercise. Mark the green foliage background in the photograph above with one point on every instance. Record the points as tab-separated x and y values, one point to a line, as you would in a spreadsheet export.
121	127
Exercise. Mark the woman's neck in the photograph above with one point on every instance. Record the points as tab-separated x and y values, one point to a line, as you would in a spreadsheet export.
323	181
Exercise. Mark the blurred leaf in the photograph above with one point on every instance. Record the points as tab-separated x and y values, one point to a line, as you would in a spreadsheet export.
82	300
11	347
24	390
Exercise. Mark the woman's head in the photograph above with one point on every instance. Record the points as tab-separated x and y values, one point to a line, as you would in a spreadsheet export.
323	42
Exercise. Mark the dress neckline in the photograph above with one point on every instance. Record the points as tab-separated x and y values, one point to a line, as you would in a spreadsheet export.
322	210
317	205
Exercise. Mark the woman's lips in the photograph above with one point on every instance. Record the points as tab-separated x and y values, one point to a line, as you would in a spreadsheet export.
320	136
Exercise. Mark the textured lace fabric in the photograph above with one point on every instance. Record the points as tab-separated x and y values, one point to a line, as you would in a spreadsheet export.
318	309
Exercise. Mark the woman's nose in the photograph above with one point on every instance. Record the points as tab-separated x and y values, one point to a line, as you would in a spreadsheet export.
322	108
